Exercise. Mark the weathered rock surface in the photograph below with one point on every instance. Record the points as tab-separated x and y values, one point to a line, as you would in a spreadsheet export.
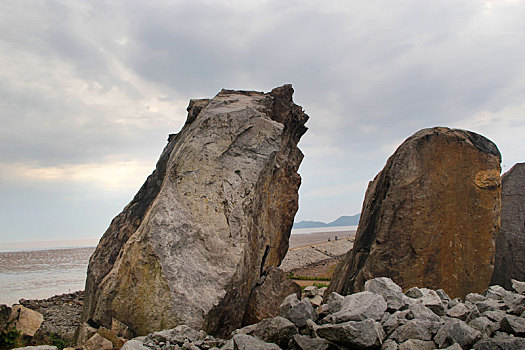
510	241
25	320
429	218
209	222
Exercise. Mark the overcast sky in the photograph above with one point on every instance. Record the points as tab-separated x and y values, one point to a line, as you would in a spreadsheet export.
89	92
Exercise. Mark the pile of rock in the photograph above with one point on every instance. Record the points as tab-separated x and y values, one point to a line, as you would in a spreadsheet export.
381	316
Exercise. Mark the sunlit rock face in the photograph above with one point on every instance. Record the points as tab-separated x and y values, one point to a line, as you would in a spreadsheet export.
510	241
208	223
430	217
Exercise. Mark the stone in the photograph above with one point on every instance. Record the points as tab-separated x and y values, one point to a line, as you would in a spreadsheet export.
316	301
134	345
459	311
416	344
433	301
456	331
391	292
248	342
112	336
287	305
208	223
302	342
443	295
83	333
97	342
389	344
515	303
39	347
496	292
429	217
518	286
358	334
494	315
474	298
25	320
5	312
302	312
502	343
178	335
414	329
513	325
267	296
454	346
276	330
334	302
359	307
414	293
310	291
392	321
510	241
484	325
420	311
490	304
121	329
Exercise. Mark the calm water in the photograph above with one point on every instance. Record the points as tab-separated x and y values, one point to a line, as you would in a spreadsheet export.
40	274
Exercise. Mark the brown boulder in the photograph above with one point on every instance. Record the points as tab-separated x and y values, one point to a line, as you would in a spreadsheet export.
429	218
510	241
208	223
267	296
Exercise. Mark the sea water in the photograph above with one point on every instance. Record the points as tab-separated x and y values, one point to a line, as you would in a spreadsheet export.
40	274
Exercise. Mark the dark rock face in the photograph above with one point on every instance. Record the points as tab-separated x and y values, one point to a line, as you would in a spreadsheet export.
510	241
429	217
209	222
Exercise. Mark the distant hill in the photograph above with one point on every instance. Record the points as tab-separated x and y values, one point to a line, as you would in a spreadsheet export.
341	221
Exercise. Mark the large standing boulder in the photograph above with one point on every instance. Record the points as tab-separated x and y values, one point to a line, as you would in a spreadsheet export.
209	222
429	217
510	241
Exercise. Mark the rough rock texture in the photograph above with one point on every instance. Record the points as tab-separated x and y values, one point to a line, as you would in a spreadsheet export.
510	241
25	320
429	218
208	223
266	297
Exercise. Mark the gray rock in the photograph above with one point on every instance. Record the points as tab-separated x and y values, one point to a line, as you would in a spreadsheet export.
392	321
443	295
494	315
454	346
416	344
513	325
490	304
360	334
287	305
334	302
359	306
515	303
39	347
302	312
422	312
485	326
518	286
414	329
501	343
474	298
460	311
432	300
496	292
302	342
276	330
389	344
248	342
310	291
134	345
391	292
456	331
209	222
509	262
316	301
414	293
246	329
177	335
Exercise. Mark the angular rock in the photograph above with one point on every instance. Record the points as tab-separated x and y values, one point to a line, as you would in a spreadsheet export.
459	311
414	293
316	301
39	347
302	342
416	344
302	312
420	311
456	331
392	321
413	226
83	333
362	334
389	345
287	305
334	303
496	292
510	241
443	295
121	329
134	345
97	342
208	223
515	303
276	330
494	315
25	320
414	329
432	300
513	325
484	325
247	342
391	292
501	343
310	291
518	286
474	298
359	307
267	296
